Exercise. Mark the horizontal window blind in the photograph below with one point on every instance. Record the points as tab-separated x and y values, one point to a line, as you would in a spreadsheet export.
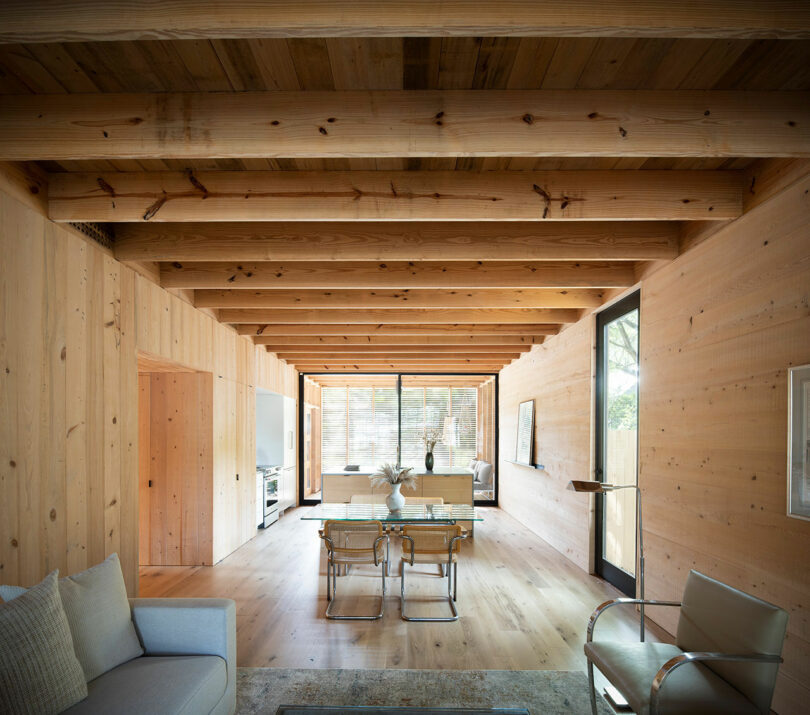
359	426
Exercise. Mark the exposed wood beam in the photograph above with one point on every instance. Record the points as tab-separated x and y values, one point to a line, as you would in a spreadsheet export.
451	342
397	330
395	196
405	124
398	274
96	20
393	241
419	316
331	299
398	367
411	357
377	351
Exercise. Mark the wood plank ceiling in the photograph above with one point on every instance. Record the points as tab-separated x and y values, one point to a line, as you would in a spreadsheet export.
416	203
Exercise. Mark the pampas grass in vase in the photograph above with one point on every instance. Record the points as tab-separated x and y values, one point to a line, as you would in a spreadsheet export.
396	477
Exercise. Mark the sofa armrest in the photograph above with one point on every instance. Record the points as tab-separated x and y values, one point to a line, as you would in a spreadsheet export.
190	626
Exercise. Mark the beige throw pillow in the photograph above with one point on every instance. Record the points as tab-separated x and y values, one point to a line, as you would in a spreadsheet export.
39	672
100	620
97	610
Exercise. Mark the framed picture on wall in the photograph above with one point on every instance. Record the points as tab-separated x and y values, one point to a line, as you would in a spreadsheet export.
799	442
525	432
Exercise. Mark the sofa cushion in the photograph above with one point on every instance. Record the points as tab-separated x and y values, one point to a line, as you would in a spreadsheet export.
187	684
692	689
100	619
99	616
39	672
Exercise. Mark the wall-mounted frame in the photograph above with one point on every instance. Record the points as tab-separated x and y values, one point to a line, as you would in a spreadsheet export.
798	491
525	433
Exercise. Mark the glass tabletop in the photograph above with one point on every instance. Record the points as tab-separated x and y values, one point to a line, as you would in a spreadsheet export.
410	513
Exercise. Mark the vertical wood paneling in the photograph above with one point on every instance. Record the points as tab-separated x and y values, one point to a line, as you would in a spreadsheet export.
557	376
72	321
719	329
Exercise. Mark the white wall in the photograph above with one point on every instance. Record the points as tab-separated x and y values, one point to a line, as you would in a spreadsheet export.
269	428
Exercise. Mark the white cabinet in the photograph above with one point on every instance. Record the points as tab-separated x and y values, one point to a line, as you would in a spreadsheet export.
287	488
290	429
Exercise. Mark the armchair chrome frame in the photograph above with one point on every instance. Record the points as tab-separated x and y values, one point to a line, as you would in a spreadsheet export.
331	579
452	594
673	663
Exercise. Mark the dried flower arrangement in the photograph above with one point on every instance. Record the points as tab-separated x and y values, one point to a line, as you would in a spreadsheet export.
431	436
391	474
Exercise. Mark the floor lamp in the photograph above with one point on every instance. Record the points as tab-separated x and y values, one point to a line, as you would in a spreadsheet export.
593	487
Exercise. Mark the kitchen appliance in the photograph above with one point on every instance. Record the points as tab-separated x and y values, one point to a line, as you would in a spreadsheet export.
269	495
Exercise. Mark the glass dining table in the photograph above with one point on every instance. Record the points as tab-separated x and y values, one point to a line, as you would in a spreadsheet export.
409	514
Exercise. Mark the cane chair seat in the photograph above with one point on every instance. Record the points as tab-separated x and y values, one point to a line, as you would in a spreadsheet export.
353	542
431	543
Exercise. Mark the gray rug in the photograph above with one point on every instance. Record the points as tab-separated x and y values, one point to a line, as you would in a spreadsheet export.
542	692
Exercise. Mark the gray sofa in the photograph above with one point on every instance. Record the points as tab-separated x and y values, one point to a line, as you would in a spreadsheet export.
188	666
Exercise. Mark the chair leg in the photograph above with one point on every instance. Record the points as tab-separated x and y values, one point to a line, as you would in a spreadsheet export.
592	688
450	599
333	617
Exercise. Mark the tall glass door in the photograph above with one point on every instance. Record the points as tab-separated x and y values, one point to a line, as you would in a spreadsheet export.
617	388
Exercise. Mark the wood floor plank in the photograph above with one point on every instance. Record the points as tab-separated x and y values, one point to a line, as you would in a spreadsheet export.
523	605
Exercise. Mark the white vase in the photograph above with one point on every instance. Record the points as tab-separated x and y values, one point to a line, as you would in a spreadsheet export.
395	501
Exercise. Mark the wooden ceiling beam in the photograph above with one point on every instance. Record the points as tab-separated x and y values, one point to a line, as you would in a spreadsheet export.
398	275
401	350
396	316
332	299
395	196
97	20
397	123
411	357
398	241
397	330
398	366
451	342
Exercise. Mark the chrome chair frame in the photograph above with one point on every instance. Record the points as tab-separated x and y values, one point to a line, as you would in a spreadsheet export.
452	593
331	579
673	663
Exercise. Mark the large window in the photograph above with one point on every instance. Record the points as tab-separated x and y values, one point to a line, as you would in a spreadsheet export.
452	412
359	426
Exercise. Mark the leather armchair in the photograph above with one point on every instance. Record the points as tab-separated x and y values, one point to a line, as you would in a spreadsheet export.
727	653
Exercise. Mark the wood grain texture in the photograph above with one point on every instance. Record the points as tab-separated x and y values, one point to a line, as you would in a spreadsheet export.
395	366
557	375
319	350
284	299
482	123
713	418
395	330
94	20
399	274
177	467
73	322
422	316
392	241
419	356
380	342
395	196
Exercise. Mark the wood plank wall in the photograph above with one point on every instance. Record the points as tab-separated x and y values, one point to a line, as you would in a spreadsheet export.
176	493
720	326
72	323
557	376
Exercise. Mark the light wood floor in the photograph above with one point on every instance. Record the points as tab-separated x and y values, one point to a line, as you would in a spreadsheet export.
523	605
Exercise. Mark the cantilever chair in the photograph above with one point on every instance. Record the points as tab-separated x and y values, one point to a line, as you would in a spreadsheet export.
354	542
728	651
432	544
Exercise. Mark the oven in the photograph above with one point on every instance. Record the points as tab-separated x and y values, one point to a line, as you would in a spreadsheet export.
269	499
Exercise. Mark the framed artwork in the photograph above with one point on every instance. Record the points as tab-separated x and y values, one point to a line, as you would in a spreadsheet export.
525	432
799	442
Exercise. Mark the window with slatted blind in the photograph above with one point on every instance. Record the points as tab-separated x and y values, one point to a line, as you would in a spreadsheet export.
359	426
453	411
